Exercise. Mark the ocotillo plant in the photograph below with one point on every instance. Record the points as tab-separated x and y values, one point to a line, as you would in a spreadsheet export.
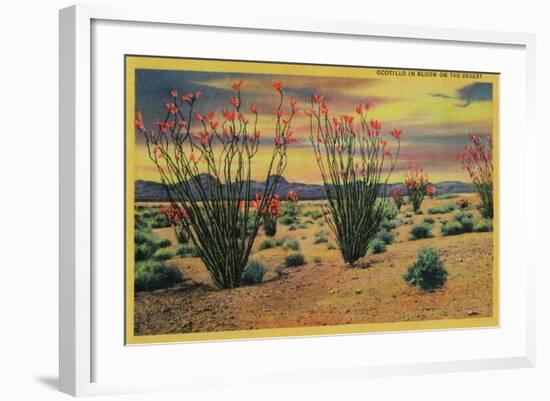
397	197
355	163
207	171
477	159
173	218
270	213
417	184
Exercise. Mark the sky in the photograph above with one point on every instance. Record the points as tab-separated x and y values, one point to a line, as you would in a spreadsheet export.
435	114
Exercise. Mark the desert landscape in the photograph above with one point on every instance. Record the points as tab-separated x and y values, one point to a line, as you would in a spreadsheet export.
265	196
322	290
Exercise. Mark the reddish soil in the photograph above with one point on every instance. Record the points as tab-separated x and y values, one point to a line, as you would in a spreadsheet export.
327	293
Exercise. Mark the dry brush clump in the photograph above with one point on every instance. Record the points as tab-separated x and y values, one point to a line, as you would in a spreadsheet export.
205	165
355	162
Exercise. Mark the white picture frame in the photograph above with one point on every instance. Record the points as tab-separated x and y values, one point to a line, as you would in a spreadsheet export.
77	371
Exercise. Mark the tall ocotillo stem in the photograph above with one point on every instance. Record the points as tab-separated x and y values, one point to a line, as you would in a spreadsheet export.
356	163
206	172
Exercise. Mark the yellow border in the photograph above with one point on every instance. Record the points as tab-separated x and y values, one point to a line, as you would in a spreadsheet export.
161	63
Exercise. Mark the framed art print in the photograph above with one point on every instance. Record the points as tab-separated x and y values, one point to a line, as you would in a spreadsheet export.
315	200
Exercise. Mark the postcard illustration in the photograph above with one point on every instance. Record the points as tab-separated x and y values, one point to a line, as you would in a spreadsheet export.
272	199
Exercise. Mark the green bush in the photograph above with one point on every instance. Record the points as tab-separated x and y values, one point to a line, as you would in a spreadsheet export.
320	240
153	275
321	237
377	246
421	231
483	226
317	260
187	251
266	244
461	223
331	246
453	227
441	209
144	236
295	260
160	221
428	271
143	251
253	273
164	243
291	244
429	220
288	220
291	209
162	254
390	210
316	214
385	236
418	212
390	224
408	214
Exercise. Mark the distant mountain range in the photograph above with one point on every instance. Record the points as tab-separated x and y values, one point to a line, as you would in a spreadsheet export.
149	191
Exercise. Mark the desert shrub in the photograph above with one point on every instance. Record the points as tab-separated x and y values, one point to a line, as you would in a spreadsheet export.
441	209
187	251
162	254
140	223
429	220
160	221
408	214
266	244
144	236
397	196
417	183
453	227
278	241
253	273
317	260
287	220
427	271
294	260
390	224
163	243
331	246
421	231
389	209
143	251
477	159
385	236
467	224
291	244
291	209
482	226
408	222
461	223
377	246
153	275
463	203
418	212
320	240
321	223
